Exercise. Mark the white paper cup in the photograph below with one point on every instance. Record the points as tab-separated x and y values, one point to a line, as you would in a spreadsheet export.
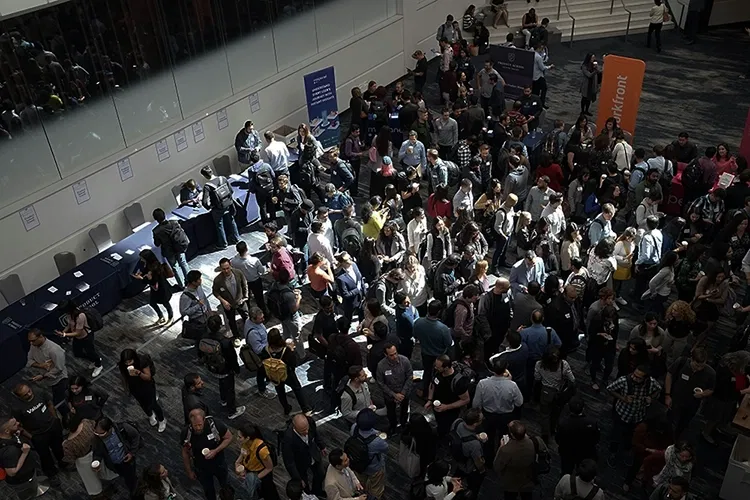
697	390
383	435
239	469
482	436
205	451
96	464
736	306
436	403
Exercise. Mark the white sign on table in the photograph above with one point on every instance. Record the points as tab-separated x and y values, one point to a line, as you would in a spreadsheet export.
81	191
162	150
126	170
198	133
254	102
29	217
222	119
180	139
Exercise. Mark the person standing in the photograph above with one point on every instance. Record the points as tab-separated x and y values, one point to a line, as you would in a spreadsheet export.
278	360
499	398
36	414
484	84
277	154
203	443
577	437
693	22
115	447
349	285
255	464
218	198
47	361
256	336
689	380
515	462
246	142
539	83
658	15
194	308
372	477
303	450
137	371
591	70
446	133
435	339
420	70
340	482
155	484
356	394
221	359
84	401
580	484
230	287
82	334
151	271
19	461
451	392
283	302
169	236
192	395
253	269
394	376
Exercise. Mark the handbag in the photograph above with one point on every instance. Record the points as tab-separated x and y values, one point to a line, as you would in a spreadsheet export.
408	459
251	360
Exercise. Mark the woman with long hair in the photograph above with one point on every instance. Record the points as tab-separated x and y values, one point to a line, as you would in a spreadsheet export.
373	217
724	161
152	273
489	201
680	459
624	248
738	238
422	435
660	286
689	272
368	262
254	464
523	234
680	319
731	386
374	313
634	355
464	216
479	277
390	246
551	374
653	335
471	241
320	274
414	284
79	330
710	296
602	265
439	204
156	485
277	348
570	248
409	187
583	127
439	244
603	332
137	371
416	230
395	206
590	69
610	130
84	400
438	484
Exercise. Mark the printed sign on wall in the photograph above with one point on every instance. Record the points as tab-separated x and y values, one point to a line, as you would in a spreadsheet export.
198	133
81	191
322	106
29	217
126	170
162	150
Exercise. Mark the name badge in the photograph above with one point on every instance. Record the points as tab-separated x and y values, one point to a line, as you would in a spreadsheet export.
88	398
734	238
734	379
506	300
210	437
685	377
579	189
388	373
44	409
686	230
567	315
436	381
646	190
119	445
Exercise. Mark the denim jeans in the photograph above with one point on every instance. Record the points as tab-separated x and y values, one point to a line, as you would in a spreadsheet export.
224	220
180	261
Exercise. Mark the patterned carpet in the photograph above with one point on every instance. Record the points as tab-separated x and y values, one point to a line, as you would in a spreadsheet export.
687	87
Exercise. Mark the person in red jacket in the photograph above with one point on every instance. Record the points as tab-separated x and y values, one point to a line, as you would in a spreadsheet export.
552	170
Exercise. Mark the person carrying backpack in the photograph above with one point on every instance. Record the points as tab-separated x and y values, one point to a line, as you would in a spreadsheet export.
220	358
173	242
580	484
367	452
465	447
263	184
279	364
82	323
218	198
256	462
520	460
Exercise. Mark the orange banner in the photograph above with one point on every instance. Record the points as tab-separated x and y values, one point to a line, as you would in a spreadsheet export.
620	93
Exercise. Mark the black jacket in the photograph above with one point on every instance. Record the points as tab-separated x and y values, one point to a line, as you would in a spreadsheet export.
578	436
164	237
128	434
560	318
298	455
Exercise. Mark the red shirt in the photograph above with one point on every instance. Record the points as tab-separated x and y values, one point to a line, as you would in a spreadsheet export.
555	174
282	260
437	208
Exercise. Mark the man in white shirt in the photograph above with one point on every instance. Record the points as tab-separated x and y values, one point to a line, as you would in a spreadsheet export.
660	163
464	198
322	216
317	241
484	85
555	216
539	83
277	154
253	269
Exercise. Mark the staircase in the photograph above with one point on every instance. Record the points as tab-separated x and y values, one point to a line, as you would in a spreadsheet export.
592	18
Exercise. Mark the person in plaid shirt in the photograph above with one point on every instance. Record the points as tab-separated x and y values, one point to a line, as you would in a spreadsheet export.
517	119
466	149
711	206
633	395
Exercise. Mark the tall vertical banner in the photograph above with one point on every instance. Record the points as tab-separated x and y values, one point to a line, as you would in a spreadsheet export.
322	106
516	66
745	144
620	93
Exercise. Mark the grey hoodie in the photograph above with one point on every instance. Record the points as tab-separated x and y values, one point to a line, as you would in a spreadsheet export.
517	182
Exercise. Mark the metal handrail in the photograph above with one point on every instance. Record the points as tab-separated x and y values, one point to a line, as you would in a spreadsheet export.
630	15
573	26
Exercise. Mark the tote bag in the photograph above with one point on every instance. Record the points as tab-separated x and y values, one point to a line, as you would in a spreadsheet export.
408	459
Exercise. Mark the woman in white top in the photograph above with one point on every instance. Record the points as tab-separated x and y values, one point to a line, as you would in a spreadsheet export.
414	284
660	286
622	152
438	481
571	247
416	230
602	263
624	256
658	15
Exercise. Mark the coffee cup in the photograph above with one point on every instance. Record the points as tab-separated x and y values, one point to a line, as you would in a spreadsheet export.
131	369
436	403
239	469
697	390
736	306
96	464
482	436
684	243
205	451
383	436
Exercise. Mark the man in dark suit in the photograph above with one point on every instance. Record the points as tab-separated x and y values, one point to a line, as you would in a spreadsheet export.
563	316
577	437
524	304
349	285
303	451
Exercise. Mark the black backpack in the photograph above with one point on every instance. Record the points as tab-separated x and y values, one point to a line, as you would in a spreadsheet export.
456	443
307	174
585	239
93	318
449	316
351	241
271	452
213	356
180	240
573	495
264	181
454	173
221	194
341	388
692	176
541	458
274	302
357	449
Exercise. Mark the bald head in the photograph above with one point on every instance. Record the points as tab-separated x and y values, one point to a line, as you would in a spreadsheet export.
301	425
571	293
502	285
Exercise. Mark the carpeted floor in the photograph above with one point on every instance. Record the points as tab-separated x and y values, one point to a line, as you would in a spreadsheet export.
692	88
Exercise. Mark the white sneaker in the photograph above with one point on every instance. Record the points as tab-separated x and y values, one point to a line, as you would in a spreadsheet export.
239	411
152	420
621	301
268	394
617	308
97	371
162	425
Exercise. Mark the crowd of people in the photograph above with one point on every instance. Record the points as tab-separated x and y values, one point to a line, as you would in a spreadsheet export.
483	264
